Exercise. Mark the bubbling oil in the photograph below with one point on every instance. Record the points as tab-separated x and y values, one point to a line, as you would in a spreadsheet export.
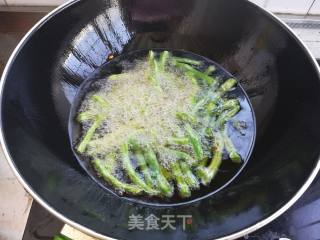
145	110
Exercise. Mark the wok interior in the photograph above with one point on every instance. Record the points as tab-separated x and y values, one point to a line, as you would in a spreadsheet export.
280	78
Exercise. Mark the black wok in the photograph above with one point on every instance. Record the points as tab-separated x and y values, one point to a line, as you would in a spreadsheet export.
277	71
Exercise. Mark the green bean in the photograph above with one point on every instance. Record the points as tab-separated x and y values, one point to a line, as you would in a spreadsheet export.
187	60
153	67
227	115
165	172
162	183
233	154
183	188
135	178
151	57
186	117
211	69
190	178
100	100
192	78
178	141
106	174
164	56
208	173
89	134
227	85
210	107
179	155
209	80
226	105
142	162
195	142
199	105
213	99
85	116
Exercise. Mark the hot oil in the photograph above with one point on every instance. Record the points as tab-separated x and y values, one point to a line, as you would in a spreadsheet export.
126	63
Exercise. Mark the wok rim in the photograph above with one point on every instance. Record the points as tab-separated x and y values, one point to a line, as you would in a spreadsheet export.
87	230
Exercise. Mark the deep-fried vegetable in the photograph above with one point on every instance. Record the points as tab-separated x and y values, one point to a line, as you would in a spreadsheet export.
89	134
105	173
208	173
162	183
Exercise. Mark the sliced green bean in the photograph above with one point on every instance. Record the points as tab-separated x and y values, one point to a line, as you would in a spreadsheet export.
227	85
85	116
106	174
192	78
178	141
189	177
183	188
227	115
209	80
100	100
153	67
133	175
208	173
233	154
162	183
89	134
211	69
164	56
142	162
187	60
186	117
195	141
226	105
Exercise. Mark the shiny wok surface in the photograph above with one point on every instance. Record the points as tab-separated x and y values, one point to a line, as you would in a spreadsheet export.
279	76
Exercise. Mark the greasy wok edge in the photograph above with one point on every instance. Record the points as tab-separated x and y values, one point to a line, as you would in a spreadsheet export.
93	233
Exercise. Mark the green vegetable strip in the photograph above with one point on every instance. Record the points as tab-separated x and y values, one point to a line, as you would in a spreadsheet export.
227	115
183	188
210	70
186	117
178	141
142	163
215	98
100	100
209	80
207	174
227	85
192	78
151	57
189	177
233	154
163	60
210	107
229	104
180	155
106	174
153	67
195	142
84	116
199	105
88	136
127	165
162	183
187	60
